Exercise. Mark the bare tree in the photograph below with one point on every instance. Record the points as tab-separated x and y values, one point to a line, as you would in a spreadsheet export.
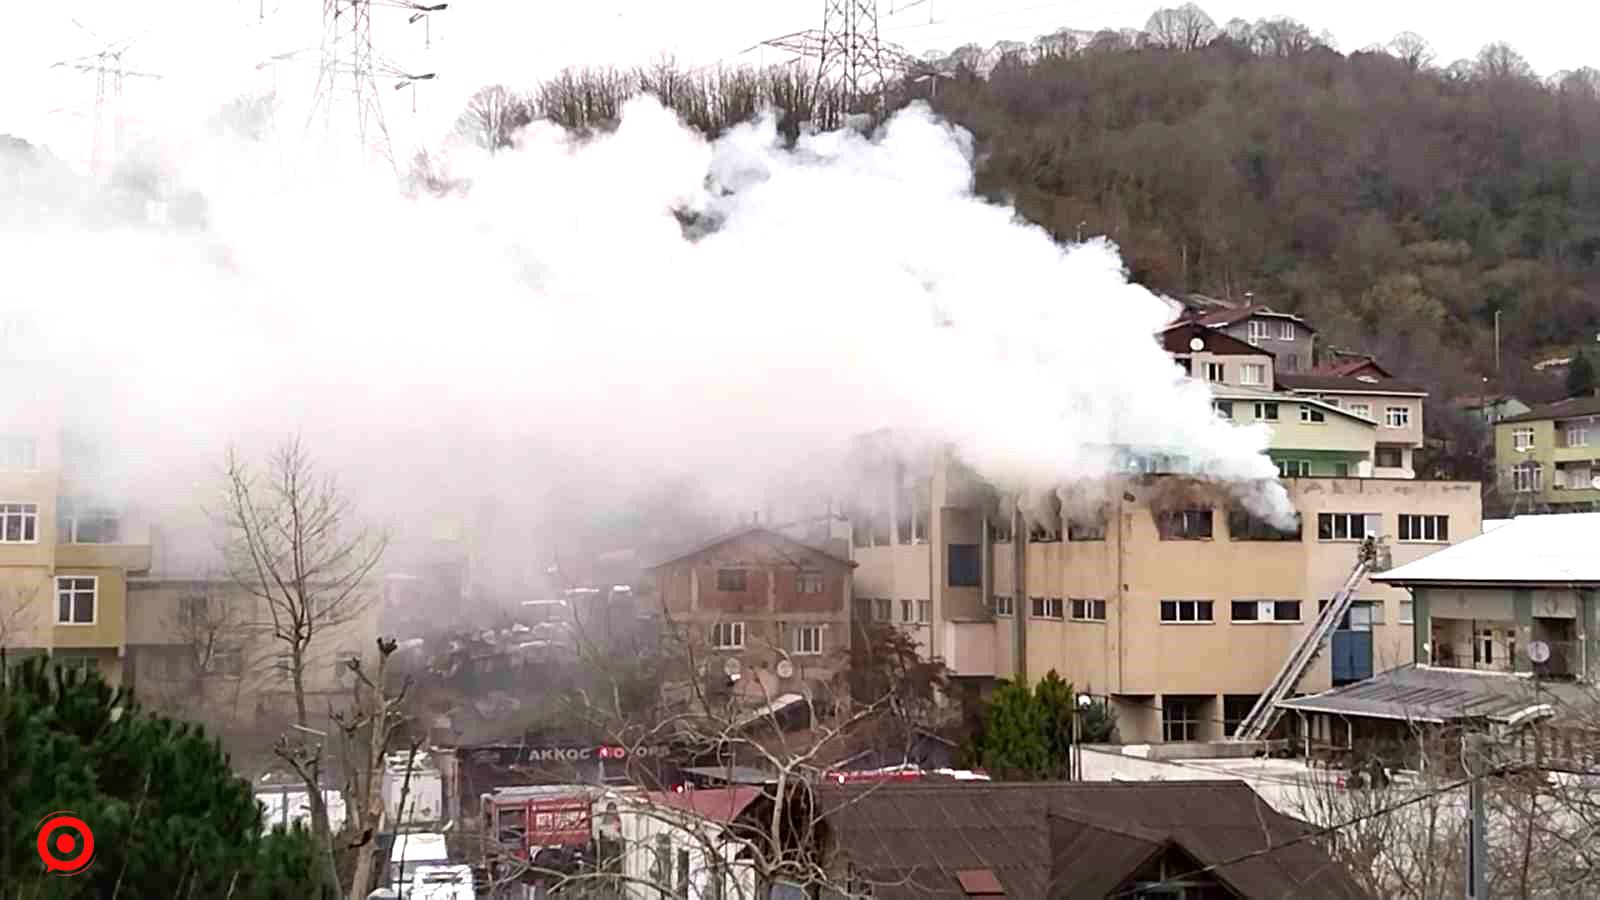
293	545
368	730
20	610
493	117
1412	49
1500	62
1186	27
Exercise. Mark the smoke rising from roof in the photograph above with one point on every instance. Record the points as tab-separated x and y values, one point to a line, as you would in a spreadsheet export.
558	325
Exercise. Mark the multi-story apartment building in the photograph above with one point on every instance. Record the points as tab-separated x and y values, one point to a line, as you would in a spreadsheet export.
778	607
1548	459
1395	407
1156	591
65	554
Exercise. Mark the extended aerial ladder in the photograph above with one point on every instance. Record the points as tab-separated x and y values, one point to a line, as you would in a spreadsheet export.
1264	715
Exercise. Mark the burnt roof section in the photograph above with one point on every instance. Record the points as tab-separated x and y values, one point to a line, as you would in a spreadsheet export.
1348	384
1072	839
1175	339
748	531
1416	693
1561	409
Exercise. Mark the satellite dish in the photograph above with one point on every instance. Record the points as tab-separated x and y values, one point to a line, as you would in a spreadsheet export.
785	669
1539	652
731	667
1196	344
1595	482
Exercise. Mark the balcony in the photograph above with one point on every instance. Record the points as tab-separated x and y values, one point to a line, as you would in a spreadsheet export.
131	558
1565	661
972	647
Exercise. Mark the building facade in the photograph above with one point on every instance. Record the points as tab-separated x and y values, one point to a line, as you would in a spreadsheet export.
1156	591
1395	408
1548	459
1290	339
761	605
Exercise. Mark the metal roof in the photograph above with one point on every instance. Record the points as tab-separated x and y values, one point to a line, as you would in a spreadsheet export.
1427	694
1554	550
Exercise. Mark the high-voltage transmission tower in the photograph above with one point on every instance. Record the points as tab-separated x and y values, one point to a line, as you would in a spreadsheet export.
848	50
347	83
106	64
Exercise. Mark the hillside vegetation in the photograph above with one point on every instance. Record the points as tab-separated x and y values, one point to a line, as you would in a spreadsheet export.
1396	204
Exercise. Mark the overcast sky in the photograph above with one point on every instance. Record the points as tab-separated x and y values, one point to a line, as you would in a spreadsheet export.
208	50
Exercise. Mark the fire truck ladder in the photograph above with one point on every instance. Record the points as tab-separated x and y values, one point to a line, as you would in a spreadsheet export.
1264	715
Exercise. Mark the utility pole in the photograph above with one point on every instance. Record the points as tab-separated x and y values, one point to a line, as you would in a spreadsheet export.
1497	343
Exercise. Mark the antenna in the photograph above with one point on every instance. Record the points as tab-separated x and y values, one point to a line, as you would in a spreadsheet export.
106	64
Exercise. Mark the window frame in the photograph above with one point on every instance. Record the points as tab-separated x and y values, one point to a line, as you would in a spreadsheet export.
1256	331
1196	607
965	559
1517	436
1310	415
1278	609
1532	473
1004	605
28	461
94	599
797	644
805	580
1260	370
1364	410
1334	518
1286	330
1220	370
1222	408
1172	518
1301	467
1399	457
1187	724
1263	407
1434	528
1049	608
1408	612
722	631
1581	429
27	514
1397	422
1088	609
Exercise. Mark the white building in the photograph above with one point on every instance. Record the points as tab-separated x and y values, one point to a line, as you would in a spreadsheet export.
669	843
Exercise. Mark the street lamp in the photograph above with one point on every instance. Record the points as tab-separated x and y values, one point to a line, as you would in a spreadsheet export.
1084	702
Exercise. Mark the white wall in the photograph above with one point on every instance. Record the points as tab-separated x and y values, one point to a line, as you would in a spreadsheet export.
641	827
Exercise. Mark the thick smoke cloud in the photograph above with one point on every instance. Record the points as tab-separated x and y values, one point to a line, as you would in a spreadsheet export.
559	323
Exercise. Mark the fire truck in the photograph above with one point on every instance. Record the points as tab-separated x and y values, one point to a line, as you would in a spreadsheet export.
548	826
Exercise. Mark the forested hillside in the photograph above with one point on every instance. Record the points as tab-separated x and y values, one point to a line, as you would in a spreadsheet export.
1396	204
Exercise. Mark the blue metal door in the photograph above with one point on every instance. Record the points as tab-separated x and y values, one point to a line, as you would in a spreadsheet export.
1352	656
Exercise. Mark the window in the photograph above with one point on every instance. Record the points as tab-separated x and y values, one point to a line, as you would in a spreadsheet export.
1425	528
18	452
908	610
1289	363
683	873
1180	719
1086	531
1285	330
1267	412
924	611
1253	373
1406	613
1347	526
964	564
79	523
1577	435
1389	457
1186	525
660	871
1526	477
883	609
1185	611
1000	532
1084	610
732	580
727	635
1331	401
75	600
1187	365
1255	331
1341	470
1223	408
805	640
1364	410
1309	413
341	667
227	660
1397	417
1215	372
1039	534
1047	607
1242	526
19	523
808	583
1294	468
1265	611
1004	605
1522	439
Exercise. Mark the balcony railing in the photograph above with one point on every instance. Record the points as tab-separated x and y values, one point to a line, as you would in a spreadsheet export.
1564	662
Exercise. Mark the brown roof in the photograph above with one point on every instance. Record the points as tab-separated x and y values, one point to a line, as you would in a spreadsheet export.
1561	409
1346	383
1072	839
749	530
1233	314
1175	338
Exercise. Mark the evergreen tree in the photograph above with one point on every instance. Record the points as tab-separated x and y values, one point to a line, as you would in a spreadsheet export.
1581	380
169	817
1028	735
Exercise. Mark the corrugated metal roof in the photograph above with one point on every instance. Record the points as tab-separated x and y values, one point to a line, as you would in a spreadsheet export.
1551	549
1561	409
1428	694
1071	839
1348	384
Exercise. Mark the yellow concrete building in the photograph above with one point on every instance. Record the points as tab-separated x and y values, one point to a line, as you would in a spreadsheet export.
1548	459
1155	591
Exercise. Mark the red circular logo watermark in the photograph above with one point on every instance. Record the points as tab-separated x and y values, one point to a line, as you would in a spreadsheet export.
66	845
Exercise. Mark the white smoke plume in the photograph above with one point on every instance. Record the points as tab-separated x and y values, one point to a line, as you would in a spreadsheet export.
556	327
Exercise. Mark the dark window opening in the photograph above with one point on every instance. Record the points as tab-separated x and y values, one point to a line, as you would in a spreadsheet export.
1243	526
732	580
965	565
1186	525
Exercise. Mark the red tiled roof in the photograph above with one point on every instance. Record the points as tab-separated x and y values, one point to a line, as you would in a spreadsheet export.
1175	339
